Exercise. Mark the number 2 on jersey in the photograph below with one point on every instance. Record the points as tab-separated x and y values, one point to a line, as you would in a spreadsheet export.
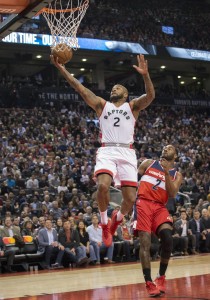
156	185
117	121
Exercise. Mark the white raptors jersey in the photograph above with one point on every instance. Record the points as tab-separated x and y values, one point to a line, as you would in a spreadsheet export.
117	124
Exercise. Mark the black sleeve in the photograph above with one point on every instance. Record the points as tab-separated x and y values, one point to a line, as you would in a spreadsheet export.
61	238
87	236
76	236
84	240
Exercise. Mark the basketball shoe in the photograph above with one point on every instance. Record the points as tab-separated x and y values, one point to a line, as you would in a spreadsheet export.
114	222
152	289
106	235
161	283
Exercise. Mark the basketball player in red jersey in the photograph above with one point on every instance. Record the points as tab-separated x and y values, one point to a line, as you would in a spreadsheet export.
115	156
159	181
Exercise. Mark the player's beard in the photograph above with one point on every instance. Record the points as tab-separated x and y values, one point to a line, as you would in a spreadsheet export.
167	157
115	98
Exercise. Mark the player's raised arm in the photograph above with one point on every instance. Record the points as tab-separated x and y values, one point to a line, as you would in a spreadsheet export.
89	97
144	165
143	101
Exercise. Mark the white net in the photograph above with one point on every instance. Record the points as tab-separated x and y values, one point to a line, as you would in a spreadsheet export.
63	18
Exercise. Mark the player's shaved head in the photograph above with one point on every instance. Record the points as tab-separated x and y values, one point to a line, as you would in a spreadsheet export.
123	88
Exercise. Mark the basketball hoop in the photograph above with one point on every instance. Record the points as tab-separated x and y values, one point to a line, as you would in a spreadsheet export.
64	21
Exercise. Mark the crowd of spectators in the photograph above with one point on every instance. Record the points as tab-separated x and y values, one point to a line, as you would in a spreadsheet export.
47	166
27	92
47	156
142	21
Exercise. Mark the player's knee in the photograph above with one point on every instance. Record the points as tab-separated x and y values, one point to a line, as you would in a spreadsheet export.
145	248
166	241
166	236
130	198
103	188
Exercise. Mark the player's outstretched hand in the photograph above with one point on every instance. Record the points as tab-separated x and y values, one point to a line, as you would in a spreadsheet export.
54	60
142	67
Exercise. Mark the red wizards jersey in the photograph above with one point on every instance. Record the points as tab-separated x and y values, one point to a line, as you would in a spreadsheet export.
152	184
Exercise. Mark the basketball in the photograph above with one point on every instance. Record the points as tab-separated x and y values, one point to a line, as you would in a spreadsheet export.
63	52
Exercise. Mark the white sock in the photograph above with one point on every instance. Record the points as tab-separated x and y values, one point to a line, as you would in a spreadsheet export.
120	216
104	218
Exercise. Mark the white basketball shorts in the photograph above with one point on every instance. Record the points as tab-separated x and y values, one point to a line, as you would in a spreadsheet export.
118	162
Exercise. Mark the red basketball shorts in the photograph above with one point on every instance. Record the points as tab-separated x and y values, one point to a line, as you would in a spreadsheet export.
150	215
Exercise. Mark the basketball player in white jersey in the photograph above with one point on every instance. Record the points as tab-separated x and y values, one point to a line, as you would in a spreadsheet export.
115	157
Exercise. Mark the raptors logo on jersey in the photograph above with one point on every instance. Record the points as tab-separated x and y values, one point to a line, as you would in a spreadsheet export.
152	183
117	124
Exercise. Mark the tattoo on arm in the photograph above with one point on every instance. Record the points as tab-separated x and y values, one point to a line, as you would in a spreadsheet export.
89	97
145	100
71	80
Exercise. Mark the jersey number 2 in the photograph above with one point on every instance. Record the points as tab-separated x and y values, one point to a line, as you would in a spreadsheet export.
117	121
156	185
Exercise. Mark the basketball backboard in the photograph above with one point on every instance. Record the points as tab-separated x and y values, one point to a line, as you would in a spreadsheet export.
18	14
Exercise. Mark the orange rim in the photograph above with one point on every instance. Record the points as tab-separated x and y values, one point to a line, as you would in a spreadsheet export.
54	11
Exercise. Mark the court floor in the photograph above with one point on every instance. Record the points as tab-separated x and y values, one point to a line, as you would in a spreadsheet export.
187	278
